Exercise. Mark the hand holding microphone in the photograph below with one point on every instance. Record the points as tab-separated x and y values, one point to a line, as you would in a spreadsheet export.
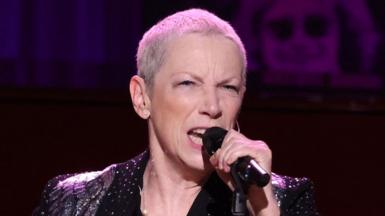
246	167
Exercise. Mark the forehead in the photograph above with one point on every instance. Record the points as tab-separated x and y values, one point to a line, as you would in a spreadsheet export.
196	50
294	8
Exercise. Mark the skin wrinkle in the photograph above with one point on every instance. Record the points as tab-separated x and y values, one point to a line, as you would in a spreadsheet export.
186	64
178	110
200	85
207	62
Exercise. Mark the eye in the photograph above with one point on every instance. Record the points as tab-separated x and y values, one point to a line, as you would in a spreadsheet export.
231	88
186	83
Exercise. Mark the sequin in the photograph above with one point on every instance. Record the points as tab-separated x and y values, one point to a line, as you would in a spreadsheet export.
115	191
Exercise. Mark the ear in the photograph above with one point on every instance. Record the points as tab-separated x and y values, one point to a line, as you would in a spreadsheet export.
139	97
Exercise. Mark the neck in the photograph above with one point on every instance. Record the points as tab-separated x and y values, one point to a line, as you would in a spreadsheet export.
166	192
169	185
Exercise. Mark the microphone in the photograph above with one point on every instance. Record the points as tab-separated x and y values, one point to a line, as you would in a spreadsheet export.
246	167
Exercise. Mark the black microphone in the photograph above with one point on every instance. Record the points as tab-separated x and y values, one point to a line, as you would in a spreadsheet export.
247	168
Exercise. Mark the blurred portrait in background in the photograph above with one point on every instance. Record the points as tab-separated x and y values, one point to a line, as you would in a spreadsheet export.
311	42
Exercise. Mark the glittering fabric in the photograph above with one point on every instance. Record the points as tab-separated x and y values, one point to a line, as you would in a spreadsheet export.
115	191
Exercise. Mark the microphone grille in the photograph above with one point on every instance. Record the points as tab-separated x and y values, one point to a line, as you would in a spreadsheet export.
213	138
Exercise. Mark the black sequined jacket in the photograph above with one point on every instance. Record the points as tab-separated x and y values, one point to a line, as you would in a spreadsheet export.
116	191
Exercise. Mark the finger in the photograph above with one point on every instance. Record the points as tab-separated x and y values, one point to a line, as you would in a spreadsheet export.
255	149
228	143
225	149
235	152
231	153
258	150
231	145
214	159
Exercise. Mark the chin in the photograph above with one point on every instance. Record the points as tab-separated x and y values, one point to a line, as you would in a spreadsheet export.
199	162
195	157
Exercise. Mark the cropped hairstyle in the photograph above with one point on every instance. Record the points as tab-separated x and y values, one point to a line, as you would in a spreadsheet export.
153	46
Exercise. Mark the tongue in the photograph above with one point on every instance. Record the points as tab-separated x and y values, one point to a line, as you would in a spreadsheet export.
196	138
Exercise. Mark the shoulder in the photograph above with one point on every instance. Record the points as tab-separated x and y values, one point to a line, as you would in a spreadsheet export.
295	196
75	193
291	185
82	193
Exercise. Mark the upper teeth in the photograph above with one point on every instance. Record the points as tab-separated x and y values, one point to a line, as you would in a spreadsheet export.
198	132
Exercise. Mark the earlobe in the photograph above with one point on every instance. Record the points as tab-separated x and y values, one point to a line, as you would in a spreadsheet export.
139	97
146	114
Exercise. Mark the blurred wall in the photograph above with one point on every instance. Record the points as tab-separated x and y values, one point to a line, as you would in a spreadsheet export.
92	43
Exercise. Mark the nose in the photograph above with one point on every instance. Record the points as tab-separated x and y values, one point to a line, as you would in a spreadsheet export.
211	104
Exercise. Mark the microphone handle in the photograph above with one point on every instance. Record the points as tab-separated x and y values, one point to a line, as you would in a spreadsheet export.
251	172
247	168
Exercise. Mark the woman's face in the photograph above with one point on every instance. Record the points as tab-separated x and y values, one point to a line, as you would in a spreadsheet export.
199	86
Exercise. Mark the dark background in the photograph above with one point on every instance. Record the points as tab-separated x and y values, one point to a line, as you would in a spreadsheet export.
65	107
338	144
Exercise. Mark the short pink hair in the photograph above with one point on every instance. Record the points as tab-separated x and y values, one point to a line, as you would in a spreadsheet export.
152	48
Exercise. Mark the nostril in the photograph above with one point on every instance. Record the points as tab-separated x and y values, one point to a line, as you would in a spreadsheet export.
219	114
212	113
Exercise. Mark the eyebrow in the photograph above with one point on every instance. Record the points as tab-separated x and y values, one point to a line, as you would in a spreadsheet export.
190	74
194	76
229	80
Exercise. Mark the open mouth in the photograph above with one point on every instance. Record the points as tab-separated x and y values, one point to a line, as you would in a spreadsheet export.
196	135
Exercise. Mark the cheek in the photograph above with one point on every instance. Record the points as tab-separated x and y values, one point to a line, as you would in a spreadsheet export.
167	106
231	108
167	117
